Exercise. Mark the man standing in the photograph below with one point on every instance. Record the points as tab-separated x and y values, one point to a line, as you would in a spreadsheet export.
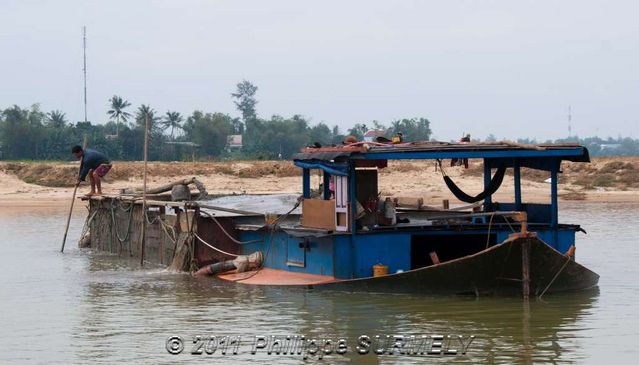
93	163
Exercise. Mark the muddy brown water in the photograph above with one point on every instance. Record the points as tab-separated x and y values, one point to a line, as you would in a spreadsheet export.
89	307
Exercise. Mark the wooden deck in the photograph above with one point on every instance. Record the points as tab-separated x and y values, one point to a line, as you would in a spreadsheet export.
268	276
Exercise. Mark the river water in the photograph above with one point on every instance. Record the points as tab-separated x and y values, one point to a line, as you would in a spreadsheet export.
88	307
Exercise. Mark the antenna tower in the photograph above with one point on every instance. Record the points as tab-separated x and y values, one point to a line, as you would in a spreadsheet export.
84	68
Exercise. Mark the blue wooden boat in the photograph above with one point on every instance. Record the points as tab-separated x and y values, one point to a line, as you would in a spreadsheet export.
344	240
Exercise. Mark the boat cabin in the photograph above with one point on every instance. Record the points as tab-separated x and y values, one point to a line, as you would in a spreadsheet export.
348	228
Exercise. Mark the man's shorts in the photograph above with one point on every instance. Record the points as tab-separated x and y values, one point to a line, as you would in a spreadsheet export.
102	170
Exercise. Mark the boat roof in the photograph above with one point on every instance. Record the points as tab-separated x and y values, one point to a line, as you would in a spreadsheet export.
444	150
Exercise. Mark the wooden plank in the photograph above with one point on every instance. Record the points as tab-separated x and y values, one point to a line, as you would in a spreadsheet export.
317	213
222	209
267	276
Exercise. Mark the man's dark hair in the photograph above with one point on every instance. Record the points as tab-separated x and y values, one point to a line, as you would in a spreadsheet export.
76	149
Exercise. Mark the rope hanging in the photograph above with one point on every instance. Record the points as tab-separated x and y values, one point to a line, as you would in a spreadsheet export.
213	247
165	227
495	183
225	232
128	229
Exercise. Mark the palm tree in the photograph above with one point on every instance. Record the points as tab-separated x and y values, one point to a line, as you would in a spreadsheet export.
143	110
172	120
56	119
117	111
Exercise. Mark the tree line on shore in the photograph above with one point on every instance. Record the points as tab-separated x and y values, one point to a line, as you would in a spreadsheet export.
32	134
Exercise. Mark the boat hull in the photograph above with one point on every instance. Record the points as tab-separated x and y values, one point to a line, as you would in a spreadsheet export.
494	271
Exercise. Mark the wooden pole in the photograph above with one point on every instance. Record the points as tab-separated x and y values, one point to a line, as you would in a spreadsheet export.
75	190
528	347
525	268
66	229
146	148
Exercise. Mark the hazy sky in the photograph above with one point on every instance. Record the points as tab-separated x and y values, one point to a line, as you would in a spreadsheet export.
510	68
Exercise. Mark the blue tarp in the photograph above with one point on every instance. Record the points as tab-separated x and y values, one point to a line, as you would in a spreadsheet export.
329	167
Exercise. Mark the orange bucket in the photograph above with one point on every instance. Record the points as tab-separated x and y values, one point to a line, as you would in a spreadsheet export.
380	270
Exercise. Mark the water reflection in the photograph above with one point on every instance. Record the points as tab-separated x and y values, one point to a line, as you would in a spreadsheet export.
93	307
135	310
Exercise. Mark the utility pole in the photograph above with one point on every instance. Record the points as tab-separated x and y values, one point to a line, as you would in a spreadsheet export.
84	68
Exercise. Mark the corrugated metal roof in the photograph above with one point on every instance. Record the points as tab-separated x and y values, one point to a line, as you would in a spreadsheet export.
433	149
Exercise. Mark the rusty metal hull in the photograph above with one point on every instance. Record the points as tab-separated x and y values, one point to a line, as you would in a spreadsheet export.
494	271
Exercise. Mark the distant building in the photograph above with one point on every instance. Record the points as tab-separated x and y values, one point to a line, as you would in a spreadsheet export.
182	145
609	146
372	134
234	142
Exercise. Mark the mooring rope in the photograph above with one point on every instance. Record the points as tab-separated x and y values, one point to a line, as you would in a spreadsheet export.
128	229
509	225
87	223
272	228
226	233
163	225
490	224
297	204
111	239
268	250
568	259
124	209
193	266
215	248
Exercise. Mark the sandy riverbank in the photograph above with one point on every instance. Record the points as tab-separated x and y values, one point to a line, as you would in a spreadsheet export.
50	183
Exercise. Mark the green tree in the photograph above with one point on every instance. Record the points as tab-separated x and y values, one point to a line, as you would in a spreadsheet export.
117	112
56	119
22	132
143	110
245	101
156	137
358	131
130	143
414	129
209	131
336	136
237	127
379	126
321	133
172	120
270	138
14	132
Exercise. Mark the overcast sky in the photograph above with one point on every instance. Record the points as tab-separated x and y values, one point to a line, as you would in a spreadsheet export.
508	68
